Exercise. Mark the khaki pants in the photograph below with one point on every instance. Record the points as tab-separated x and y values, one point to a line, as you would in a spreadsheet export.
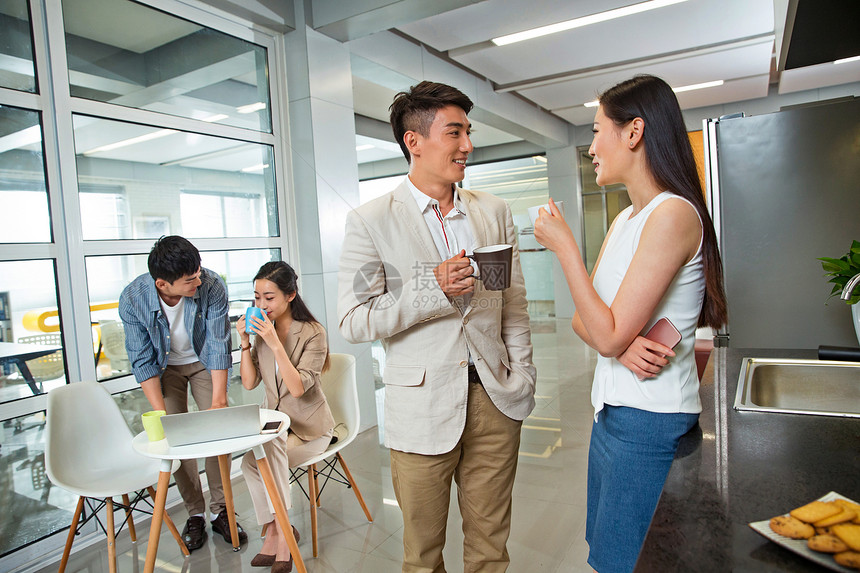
282	454
483	464
175	382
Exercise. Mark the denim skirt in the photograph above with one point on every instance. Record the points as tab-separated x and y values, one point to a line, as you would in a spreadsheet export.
629	457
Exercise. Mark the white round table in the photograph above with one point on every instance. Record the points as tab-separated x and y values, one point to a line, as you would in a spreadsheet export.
222	449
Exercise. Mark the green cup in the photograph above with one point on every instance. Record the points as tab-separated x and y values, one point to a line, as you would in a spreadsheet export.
152	424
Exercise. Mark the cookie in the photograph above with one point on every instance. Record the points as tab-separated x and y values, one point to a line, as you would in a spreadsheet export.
826	544
848	559
850	506
841	517
815	511
788	526
849	533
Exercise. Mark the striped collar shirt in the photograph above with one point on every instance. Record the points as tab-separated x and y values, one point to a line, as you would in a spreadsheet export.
451	233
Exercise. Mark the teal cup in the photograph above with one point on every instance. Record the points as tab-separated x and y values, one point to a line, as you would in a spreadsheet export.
252	311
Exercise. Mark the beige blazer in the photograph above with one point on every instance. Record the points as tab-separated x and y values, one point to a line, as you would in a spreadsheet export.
387	291
310	416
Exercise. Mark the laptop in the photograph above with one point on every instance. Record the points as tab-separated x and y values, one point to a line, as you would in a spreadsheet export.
211	425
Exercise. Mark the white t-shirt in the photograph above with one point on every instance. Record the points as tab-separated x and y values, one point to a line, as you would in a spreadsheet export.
676	388
181	351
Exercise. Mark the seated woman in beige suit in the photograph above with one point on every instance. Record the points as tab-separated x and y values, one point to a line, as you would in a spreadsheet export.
289	353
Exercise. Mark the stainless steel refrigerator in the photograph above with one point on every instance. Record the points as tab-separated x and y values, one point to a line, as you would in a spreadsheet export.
784	189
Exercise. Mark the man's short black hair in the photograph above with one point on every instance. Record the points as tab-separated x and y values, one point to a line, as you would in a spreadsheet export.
173	257
414	110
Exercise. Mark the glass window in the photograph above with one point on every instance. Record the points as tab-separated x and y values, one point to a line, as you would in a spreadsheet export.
370	189
16	47
108	275
23	195
151	60
600	206
33	508
143	182
31	345
522	183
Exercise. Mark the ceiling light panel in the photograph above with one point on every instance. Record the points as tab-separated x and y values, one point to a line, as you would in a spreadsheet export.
583	21
671	30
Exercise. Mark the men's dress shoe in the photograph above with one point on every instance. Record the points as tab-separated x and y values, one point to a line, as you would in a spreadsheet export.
222	525
262	560
194	532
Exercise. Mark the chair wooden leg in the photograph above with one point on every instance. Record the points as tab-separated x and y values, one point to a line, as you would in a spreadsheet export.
354	487
172	527
313	494
75	518
129	517
265	529
111	535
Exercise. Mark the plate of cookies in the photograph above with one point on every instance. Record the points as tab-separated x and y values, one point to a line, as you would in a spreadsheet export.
826	531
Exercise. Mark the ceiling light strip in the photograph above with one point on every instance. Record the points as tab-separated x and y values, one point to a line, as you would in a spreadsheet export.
680	89
132	141
636	65
583	21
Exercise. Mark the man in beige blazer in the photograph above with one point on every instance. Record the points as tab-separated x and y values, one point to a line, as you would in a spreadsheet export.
458	374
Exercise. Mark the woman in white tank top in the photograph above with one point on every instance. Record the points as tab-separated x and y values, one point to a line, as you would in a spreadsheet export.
659	259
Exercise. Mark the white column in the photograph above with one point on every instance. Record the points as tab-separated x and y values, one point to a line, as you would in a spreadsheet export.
324	180
565	185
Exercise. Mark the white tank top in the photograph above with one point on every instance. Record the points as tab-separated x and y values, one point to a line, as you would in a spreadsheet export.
676	387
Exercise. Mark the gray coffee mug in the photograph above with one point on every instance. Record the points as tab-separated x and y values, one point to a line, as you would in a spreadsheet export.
494	265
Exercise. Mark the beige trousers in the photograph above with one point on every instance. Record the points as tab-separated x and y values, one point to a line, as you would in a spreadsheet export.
282	454
175	382
483	464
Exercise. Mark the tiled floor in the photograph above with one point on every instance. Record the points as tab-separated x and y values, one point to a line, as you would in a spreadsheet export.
549	494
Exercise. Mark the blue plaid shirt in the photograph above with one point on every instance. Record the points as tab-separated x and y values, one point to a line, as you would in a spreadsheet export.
147	331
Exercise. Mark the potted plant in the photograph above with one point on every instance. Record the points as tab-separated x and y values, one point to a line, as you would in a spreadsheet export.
839	271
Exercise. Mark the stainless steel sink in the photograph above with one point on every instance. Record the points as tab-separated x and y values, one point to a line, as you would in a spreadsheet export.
817	387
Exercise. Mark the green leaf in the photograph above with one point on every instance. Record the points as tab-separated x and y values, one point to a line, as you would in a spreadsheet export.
834	266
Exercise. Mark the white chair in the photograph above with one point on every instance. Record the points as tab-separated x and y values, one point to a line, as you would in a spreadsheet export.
339	386
113	344
88	452
47	367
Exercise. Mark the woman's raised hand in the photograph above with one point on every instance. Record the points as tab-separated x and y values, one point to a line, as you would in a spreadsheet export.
552	231
266	329
244	337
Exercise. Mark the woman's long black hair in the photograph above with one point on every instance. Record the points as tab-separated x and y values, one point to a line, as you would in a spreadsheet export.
286	279
671	162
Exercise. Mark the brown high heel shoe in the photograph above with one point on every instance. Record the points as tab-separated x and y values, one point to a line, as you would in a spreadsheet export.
263	560
283	566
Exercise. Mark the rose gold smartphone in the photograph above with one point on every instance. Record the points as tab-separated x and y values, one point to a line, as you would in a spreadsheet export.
665	333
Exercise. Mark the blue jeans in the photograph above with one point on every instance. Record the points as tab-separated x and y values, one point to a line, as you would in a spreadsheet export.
628	459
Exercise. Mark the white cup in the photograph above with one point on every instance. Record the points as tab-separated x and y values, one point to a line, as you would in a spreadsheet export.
534	211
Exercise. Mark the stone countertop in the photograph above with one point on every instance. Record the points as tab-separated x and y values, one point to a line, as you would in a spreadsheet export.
740	467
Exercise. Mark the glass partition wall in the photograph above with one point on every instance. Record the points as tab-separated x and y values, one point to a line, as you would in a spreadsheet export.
156	121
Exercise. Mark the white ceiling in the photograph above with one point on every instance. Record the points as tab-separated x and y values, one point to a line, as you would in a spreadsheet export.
691	42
